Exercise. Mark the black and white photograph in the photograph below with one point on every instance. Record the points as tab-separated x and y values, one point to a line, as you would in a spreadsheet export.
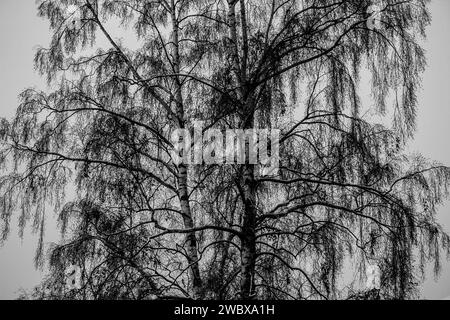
241	151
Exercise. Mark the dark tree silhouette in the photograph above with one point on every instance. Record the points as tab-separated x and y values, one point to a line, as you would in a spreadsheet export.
141	226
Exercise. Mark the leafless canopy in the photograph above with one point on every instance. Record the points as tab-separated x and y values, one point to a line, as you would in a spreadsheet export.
97	150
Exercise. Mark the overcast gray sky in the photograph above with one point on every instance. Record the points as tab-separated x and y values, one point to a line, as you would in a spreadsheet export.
21	31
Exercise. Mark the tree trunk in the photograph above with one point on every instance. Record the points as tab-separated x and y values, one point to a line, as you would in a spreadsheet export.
248	241
183	193
191	240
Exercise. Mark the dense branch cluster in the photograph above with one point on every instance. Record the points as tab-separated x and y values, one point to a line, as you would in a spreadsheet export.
97	150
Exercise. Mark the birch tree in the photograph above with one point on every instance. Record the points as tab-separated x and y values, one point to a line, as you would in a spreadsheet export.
142	226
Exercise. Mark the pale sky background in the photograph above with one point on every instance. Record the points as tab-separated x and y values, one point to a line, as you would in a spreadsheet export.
21	31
